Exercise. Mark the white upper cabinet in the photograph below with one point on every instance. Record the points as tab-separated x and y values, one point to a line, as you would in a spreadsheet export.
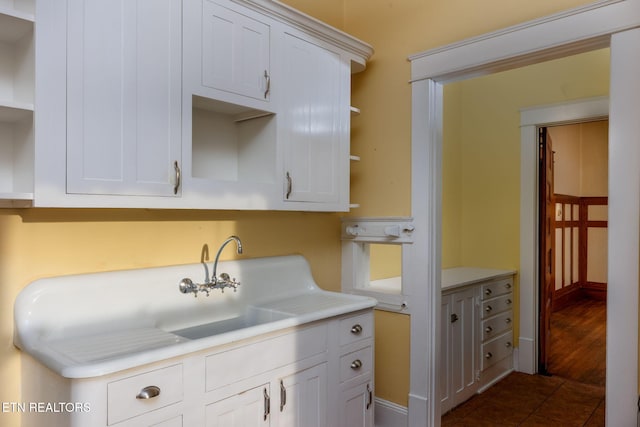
235	52
199	104
314	117
124	97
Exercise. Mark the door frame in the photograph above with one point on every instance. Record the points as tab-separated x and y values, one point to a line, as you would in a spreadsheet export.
530	120
608	23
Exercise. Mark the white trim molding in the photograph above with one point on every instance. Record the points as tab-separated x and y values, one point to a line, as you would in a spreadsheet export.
604	23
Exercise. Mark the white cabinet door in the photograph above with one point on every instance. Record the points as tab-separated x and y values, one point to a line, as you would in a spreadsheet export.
314	122
235	52
356	406
303	398
124	96
250	408
460	345
464	345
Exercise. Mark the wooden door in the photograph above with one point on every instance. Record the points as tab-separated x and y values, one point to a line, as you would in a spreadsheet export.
547	243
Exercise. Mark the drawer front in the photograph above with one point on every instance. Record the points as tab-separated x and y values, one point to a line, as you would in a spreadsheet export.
263	356
356	328
497	305
497	349
499	287
494	326
143	393
354	364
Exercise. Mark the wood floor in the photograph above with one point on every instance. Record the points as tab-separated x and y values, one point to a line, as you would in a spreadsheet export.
572	396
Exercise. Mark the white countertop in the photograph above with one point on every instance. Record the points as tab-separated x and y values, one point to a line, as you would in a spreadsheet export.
463	276
90	325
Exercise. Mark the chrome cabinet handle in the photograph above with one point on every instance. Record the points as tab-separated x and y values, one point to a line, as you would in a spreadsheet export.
507	320
488	292
356	329
178	177
508	286
149	392
370	392
289	185
508	301
283	396
267	404
454	318
356	364
508	344
488	309
267	77
488	329
488	355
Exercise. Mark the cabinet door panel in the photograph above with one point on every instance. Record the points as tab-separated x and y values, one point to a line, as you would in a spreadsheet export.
123	96
464	345
312	121
247	409
235	52
356	406
303	398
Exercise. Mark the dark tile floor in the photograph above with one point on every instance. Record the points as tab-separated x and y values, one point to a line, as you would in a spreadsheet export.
532	400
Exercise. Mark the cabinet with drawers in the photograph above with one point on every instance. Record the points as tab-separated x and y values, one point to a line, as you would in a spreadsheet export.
497	329
319	374
476	331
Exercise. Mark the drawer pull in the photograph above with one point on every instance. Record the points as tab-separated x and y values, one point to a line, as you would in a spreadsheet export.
149	392
356	364
508	301
508	286
370	393
488	292
356	329
488	329
267	404
508	344
489	355
488	309
507	320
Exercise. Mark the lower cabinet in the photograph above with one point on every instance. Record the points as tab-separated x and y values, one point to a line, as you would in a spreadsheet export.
459	363
356	405
299	399
318	375
476	332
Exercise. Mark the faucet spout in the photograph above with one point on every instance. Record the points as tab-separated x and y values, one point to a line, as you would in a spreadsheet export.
230	239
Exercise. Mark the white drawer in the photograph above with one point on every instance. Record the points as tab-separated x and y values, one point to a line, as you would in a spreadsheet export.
496	350
356	328
263	356
494	289
496	325
354	364
162	387
496	305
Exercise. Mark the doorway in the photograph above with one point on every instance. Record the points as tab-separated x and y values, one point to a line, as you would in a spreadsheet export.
573	206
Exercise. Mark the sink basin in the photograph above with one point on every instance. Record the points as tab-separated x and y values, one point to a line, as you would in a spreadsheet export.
252	316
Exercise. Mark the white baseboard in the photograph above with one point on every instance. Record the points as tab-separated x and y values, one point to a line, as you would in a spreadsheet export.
389	414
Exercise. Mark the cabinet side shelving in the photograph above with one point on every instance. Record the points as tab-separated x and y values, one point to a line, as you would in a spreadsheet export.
17	68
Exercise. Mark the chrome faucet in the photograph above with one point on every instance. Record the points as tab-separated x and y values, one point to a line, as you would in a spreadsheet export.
186	285
224	280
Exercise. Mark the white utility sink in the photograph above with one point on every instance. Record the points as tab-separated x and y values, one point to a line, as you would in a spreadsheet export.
94	324
252	316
